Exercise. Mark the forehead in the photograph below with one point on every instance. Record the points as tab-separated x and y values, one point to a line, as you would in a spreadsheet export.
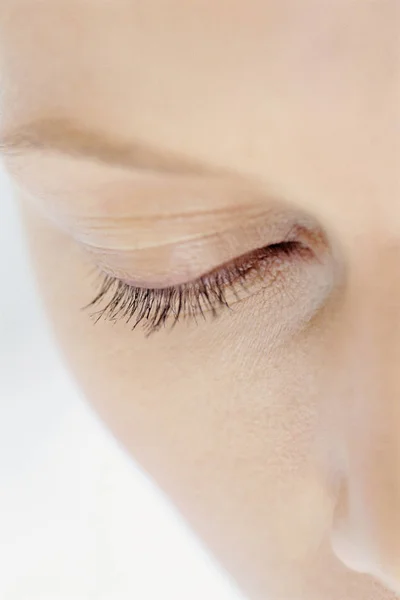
303	96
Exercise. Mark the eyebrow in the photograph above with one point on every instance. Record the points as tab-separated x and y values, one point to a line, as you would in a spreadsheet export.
74	140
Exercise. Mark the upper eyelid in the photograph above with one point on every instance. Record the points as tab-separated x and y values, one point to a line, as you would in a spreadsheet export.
185	273
237	203
106	225
91	246
178	261
229	214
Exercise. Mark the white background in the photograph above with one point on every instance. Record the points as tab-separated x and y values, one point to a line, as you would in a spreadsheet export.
78	520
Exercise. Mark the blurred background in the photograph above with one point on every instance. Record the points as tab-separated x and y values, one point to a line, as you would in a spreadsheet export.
78	519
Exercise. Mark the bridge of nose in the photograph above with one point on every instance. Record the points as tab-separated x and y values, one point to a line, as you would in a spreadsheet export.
365	430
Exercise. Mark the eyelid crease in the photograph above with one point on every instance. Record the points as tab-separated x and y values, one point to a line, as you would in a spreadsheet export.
145	238
159	223
120	233
228	234
91	245
115	221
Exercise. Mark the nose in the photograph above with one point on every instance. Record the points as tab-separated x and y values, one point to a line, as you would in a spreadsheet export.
366	524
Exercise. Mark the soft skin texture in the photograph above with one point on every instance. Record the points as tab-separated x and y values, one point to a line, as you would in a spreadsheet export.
275	429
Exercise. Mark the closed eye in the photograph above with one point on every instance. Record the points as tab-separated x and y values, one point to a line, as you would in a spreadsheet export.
155	308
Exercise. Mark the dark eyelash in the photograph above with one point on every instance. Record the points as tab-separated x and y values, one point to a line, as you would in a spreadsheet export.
154	308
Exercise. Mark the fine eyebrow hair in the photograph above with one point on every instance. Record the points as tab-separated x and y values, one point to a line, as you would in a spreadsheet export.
74	140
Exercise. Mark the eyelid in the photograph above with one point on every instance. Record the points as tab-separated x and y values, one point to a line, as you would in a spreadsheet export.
126	223
154	308
136	233
160	231
176	263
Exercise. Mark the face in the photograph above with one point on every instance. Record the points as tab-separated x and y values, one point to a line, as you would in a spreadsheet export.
222	184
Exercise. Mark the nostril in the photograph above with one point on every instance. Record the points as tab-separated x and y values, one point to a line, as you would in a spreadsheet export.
362	545
347	552
345	545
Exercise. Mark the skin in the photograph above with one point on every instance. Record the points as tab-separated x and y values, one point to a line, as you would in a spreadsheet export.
275	428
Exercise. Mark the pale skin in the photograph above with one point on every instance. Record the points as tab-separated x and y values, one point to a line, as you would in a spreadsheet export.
159	141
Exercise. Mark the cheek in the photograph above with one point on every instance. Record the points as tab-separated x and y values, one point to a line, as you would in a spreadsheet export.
225	428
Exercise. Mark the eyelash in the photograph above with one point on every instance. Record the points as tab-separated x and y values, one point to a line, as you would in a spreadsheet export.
153	308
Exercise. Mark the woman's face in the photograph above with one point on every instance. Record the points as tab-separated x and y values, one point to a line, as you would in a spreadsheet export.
166	145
